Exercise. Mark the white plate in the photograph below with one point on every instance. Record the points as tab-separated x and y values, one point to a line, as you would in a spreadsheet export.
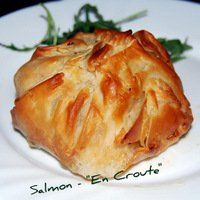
22	167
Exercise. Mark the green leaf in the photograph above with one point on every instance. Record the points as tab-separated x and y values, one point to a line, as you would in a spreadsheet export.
83	23
51	34
86	10
135	16
50	37
15	48
175	48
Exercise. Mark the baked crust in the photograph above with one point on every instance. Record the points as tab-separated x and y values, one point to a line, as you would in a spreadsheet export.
102	101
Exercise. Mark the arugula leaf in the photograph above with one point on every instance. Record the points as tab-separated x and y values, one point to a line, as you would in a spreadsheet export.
175	48
100	23
87	25
15	48
140	14
50	37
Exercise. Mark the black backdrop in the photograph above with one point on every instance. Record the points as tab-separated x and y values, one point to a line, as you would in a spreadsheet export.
7	6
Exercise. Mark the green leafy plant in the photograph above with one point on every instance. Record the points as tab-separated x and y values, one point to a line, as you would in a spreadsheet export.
50	37
83	23
175	48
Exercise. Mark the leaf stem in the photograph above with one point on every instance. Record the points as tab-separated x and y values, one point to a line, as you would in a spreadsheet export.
51	29
140	14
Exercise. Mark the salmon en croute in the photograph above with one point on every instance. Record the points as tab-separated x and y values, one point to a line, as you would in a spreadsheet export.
101	102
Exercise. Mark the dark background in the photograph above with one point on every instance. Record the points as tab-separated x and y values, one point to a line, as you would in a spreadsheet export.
7	6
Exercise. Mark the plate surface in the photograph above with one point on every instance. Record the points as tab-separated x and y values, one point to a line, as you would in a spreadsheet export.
22	167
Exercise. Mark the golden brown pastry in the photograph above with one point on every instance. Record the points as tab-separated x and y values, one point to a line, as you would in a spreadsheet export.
101	101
